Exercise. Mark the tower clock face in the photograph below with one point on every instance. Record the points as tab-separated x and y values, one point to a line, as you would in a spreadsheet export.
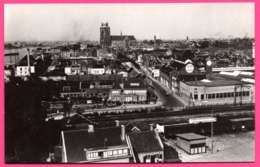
209	63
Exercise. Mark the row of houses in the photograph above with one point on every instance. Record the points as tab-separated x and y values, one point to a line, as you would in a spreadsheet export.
114	90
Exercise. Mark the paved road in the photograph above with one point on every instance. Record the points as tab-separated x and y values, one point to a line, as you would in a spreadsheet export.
168	100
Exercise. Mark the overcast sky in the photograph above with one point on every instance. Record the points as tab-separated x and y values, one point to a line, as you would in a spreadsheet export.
166	21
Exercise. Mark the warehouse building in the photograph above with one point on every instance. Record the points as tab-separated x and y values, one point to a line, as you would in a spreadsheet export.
214	92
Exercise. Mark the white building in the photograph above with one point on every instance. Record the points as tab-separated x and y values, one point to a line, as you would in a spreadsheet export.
22	71
97	70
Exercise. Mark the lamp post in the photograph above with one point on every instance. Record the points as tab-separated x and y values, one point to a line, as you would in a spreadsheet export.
212	131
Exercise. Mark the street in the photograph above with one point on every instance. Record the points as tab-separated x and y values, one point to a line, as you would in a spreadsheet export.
168	100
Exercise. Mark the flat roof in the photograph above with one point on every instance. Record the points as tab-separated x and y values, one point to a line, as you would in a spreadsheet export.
191	136
213	83
241	119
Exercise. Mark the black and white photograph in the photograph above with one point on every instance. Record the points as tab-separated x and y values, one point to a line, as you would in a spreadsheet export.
129	83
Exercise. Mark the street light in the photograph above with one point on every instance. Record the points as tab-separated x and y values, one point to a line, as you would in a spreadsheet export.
212	133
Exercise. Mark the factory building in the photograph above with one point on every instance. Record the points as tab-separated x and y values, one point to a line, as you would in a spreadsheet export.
214	92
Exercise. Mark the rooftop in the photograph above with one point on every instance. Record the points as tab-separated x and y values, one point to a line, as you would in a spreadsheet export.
76	141
119	37
143	142
214	83
241	119
191	136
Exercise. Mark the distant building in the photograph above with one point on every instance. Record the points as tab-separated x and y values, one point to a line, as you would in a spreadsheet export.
24	68
171	74
122	41
73	69
114	41
130	91
8	72
105	41
97	70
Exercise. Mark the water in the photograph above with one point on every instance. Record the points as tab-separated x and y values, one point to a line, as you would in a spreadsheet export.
8	60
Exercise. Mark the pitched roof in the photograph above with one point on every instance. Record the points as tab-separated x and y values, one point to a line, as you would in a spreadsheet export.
143	142
116	86
98	66
119	37
76	141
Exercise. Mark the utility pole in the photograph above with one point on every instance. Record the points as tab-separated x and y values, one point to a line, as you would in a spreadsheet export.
212	133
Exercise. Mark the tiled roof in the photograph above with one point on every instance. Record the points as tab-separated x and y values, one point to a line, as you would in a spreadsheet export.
143	142
76	141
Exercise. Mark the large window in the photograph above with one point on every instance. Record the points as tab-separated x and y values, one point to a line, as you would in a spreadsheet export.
195	96
202	97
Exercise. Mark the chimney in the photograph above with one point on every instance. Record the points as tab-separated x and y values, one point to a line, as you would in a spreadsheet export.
154	42
28	61
156	133
117	123
151	127
90	128
123	132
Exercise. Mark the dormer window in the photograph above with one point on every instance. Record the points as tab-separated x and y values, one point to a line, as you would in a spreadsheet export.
134	84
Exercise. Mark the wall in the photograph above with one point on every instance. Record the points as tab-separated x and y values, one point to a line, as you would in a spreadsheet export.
142	155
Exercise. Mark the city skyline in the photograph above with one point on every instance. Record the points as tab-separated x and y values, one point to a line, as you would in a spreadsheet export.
73	22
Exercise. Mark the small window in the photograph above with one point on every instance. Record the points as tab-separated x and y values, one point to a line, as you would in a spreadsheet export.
221	95
209	96
202	97
110	153
125	151
213	96
195	96
115	152
228	94
120	151
225	95
217	95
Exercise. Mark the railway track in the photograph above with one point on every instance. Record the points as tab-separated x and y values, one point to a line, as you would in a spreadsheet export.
186	111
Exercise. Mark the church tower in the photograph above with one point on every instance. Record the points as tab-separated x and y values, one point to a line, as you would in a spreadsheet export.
105	35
